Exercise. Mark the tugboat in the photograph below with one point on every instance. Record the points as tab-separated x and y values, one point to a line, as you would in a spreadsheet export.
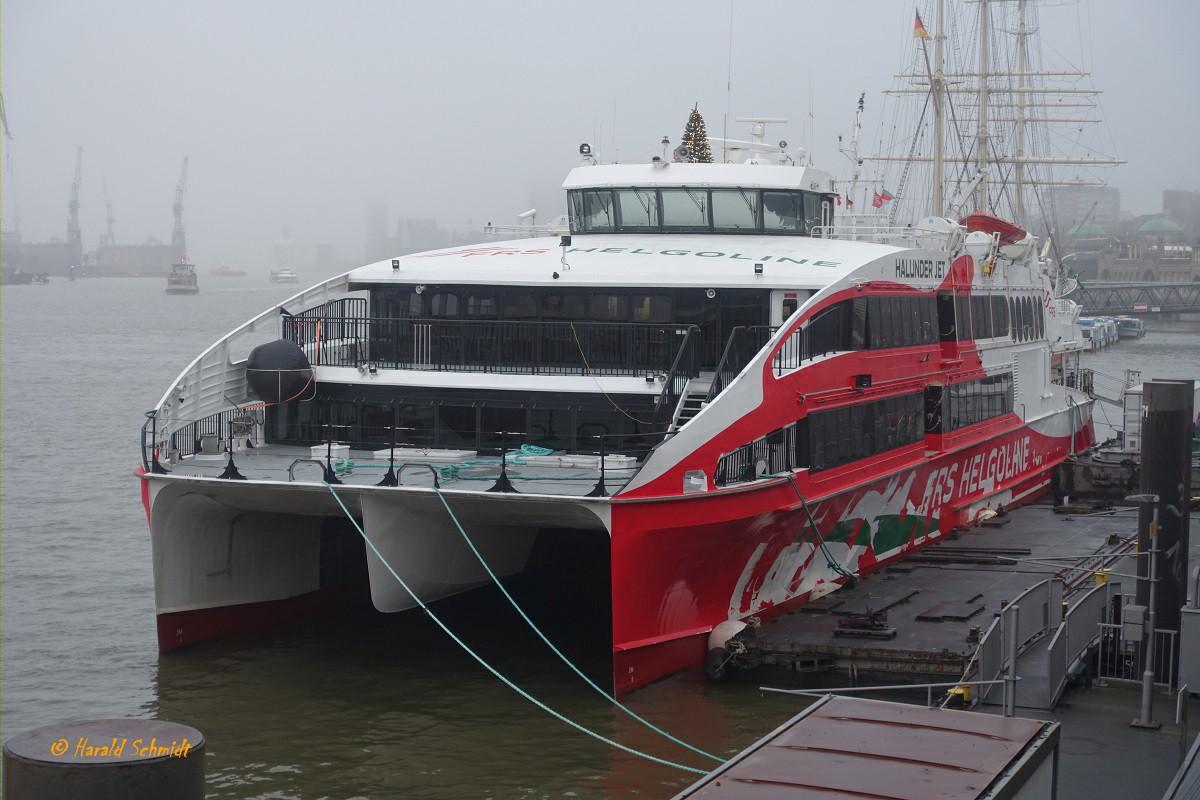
182	279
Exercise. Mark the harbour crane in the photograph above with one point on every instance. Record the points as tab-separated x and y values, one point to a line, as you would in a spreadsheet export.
178	238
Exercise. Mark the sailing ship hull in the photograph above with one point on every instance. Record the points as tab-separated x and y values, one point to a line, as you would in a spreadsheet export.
234	557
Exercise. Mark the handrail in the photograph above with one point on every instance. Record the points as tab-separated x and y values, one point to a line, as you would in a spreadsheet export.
669	389
732	355
496	345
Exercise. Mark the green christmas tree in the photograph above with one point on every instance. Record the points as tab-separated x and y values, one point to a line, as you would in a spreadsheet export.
695	139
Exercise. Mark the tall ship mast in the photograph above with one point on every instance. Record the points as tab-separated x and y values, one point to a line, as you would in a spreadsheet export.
987	119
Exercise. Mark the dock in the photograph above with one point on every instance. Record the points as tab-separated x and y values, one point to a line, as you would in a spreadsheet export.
921	619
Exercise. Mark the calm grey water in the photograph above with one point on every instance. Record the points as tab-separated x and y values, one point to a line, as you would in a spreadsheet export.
374	708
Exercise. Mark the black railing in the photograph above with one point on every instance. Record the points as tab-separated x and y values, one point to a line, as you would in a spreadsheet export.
497	346
767	455
331	333
685	367
744	343
210	434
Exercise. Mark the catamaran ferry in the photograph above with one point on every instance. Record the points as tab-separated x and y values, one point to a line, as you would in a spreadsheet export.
748	402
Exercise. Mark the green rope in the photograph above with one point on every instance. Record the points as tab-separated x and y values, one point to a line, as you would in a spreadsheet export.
488	666
830	561
550	644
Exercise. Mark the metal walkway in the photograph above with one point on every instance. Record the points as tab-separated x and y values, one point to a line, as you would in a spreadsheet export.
1138	298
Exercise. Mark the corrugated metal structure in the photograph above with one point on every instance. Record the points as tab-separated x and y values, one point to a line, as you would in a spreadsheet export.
851	747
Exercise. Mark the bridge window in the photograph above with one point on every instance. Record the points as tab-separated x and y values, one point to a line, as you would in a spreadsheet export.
638	208
592	211
696	210
685	210
735	210
783	212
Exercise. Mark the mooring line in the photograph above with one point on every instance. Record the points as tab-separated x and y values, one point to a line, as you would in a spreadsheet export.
488	666
550	644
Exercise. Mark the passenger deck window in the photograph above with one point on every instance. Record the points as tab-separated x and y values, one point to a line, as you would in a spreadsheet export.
563	306
481	305
518	305
609	308
444	305
651	308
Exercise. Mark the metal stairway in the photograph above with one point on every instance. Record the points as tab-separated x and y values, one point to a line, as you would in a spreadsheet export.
691	401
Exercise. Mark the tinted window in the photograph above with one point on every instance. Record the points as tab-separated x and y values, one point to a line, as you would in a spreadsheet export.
651	307
608	308
443	304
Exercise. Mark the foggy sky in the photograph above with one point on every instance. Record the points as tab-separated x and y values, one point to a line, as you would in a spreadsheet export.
298	114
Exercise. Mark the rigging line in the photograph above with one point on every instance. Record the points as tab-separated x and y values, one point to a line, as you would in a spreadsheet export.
557	652
588	367
479	659
830	560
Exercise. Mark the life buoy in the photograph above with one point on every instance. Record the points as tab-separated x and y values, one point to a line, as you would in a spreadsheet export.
1007	231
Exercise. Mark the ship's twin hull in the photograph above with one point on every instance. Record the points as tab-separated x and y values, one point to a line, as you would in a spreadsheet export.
236	556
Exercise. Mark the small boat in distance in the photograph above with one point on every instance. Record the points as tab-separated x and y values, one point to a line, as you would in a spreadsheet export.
182	279
284	275
225	272
1130	327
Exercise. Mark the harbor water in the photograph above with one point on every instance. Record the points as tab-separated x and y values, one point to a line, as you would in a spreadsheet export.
378	706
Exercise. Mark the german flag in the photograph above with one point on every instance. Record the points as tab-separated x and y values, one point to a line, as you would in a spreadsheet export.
919	31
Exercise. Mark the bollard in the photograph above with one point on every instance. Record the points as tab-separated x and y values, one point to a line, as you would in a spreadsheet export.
107	759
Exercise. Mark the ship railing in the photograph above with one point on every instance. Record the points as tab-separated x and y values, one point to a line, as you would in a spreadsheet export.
744	343
766	455
222	432
685	367
495	346
879	234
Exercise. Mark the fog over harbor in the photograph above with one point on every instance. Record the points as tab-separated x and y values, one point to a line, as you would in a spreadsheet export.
299	115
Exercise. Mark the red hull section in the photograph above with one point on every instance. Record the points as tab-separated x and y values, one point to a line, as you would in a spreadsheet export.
183	628
680	566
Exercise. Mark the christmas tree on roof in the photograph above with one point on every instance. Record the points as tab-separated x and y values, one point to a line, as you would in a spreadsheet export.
695	139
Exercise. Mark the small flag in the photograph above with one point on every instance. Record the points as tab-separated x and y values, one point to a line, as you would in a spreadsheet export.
839	199
919	31
849	202
887	196
878	201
